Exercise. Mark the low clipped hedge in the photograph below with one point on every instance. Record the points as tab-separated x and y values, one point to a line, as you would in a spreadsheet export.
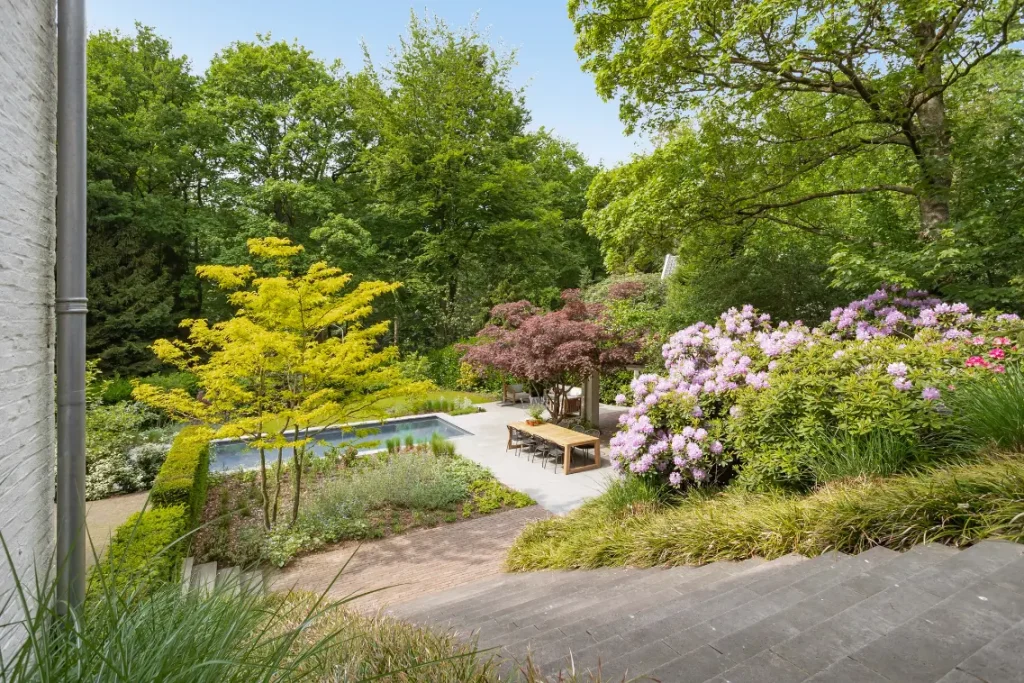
183	478
145	551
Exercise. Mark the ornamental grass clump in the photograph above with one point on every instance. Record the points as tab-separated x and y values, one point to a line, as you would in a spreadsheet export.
957	505
750	398
990	410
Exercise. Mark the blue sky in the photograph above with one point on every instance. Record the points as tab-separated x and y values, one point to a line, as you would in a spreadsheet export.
560	95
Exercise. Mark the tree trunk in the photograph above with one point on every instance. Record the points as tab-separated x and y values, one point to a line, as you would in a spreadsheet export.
933	153
297	454
277	484
263	489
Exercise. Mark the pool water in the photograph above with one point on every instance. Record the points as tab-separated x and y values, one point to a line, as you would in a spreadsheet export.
226	456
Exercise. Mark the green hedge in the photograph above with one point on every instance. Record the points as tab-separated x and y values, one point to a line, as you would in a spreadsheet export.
146	550
183	478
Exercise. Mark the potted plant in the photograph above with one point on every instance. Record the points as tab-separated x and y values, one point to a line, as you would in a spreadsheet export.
536	412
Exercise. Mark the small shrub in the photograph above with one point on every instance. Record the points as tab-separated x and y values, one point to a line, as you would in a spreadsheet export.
630	495
410	441
117	390
146	459
990	409
111	432
467	471
394	445
186	381
490	495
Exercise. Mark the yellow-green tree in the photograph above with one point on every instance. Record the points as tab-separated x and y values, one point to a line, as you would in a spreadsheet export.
297	357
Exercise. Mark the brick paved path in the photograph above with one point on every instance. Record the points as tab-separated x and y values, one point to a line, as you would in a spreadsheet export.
413	564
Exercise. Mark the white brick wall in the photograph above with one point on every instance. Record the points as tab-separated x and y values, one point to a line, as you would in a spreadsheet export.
27	193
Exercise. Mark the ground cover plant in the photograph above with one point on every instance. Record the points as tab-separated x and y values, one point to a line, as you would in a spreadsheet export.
347	497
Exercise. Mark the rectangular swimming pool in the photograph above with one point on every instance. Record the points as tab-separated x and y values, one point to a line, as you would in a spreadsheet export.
227	456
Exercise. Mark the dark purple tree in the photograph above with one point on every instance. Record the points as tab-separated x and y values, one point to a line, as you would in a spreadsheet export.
557	350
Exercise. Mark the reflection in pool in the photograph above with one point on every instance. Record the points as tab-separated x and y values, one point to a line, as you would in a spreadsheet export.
235	455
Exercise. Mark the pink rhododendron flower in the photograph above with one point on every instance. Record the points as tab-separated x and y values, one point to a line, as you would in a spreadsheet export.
902	384
997	353
897	369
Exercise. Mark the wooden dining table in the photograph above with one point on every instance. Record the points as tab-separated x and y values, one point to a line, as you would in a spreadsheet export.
566	438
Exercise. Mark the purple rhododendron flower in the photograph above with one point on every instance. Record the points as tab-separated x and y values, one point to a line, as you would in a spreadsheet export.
902	384
620	399
930	394
897	369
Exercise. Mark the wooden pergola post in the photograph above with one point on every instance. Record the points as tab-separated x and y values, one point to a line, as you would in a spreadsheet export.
592	398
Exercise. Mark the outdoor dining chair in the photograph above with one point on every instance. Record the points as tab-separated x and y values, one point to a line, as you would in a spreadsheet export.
517	440
585	451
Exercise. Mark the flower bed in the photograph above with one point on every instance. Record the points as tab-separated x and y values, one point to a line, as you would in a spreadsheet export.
344	499
746	396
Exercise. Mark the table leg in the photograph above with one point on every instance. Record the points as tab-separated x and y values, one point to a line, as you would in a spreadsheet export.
567	459
597	454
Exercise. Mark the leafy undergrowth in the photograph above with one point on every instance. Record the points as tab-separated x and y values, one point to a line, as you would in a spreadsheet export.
376	497
632	524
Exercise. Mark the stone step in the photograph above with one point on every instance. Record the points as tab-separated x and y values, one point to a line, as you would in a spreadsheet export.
746	651
559	598
186	574
252	581
910	586
593	641
981	606
467	599
204	578
228	580
607	605
631	651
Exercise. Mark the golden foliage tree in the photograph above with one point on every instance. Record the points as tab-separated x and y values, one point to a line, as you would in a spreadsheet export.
297	357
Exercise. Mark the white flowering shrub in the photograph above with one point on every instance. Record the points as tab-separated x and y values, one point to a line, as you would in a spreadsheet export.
747	396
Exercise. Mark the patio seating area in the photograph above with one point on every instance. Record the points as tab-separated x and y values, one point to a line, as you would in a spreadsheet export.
558	445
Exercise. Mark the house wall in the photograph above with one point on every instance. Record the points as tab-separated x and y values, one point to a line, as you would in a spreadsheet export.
28	101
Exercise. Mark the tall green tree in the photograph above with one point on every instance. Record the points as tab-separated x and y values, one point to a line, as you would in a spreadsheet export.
289	147
148	175
843	129
465	201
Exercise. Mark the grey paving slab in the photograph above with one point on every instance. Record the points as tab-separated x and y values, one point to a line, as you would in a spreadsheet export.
698	666
847	670
818	648
766	667
927	647
1000	661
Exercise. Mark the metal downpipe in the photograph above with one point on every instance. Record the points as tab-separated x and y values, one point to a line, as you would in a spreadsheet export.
71	304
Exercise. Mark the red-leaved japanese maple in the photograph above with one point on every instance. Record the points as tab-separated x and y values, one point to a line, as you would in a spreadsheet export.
557	350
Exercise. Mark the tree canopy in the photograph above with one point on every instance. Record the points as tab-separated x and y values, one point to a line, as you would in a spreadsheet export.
842	127
420	169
